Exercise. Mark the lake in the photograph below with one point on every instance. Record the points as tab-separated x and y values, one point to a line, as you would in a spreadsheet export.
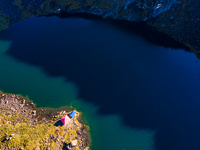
134	94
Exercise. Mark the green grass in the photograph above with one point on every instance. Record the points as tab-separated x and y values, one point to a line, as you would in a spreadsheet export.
30	136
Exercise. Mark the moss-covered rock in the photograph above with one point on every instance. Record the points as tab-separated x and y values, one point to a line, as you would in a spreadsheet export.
24	126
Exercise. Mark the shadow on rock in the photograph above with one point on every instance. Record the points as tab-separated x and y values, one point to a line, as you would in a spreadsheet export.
58	123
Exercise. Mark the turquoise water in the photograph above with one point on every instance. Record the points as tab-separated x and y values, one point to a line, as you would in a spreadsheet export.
18	77
134	95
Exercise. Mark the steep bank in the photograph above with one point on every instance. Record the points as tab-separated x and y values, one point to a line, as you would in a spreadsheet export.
23	126
178	19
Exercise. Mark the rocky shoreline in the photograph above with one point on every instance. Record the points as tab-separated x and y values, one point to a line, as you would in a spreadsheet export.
23	126
177	19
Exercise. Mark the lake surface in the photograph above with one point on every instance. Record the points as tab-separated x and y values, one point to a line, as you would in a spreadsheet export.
134	95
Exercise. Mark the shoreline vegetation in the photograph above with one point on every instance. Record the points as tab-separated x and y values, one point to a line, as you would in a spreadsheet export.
23	126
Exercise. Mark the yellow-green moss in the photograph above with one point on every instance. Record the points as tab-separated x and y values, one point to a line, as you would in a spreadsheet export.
18	3
193	49
90	2
4	22
19	130
25	135
144	13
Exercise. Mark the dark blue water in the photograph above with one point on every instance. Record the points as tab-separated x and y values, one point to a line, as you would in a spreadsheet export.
140	89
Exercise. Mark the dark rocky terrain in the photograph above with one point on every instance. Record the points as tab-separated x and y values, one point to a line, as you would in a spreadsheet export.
178	19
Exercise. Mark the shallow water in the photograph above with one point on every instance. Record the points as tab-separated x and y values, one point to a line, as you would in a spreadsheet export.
133	94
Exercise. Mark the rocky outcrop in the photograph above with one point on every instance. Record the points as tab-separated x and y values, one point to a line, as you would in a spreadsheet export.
23	126
178	19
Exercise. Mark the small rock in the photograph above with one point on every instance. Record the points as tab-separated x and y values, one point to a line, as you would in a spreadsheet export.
23	101
12	135
87	148
7	138
74	143
12	109
34	112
